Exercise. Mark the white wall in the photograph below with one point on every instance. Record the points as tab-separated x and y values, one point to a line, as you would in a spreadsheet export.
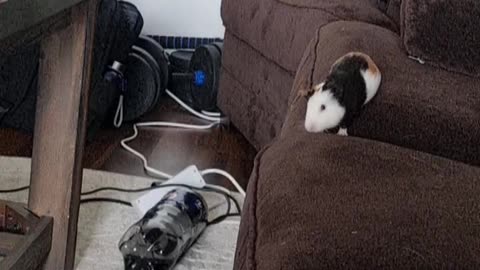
196	18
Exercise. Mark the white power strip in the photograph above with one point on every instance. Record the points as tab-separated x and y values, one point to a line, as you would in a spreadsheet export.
189	176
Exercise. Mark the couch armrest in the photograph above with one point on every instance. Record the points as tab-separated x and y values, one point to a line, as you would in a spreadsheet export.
319	202
417	106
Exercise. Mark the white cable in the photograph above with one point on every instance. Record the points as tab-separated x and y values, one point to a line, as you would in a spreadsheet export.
118	119
228	176
149	170
159	174
214	114
176	125
154	172
192	111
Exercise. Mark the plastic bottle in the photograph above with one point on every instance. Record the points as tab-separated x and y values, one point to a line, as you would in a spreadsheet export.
164	234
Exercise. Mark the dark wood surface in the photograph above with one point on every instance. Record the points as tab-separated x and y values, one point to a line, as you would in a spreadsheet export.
8	242
30	19
19	144
60	130
30	251
20	40
171	150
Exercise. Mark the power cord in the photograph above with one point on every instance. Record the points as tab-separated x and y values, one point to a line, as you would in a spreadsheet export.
111	200
229	198
155	185
125	203
159	185
14	190
215	119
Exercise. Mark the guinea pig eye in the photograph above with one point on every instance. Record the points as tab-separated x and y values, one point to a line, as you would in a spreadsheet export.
322	108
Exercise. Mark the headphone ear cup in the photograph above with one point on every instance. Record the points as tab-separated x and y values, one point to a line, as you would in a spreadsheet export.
180	63
205	65
141	87
156	75
180	60
219	46
158	53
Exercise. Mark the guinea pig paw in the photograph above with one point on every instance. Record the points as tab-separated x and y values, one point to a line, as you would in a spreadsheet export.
342	132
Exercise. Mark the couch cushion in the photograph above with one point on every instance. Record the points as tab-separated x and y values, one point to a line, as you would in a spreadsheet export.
417	106
393	10
281	30
443	33
319	201
253	91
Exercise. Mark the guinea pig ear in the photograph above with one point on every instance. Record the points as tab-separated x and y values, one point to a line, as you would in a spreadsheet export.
306	93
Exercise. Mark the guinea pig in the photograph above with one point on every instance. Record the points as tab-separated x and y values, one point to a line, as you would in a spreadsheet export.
353	81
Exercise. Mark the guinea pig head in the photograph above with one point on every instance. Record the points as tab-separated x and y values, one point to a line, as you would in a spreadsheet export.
323	111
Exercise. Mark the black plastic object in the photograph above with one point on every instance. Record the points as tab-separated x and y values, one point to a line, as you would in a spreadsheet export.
141	87
118	24
193	76
18	79
219	46
156	75
180	64
166	231
180	60
178	43
205	67
156	51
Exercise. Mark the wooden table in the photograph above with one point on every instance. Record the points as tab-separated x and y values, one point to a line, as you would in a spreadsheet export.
65	29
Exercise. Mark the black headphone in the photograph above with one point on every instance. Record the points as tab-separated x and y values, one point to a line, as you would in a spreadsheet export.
192	75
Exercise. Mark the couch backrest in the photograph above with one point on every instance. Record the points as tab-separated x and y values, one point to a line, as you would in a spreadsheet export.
392	9
444	33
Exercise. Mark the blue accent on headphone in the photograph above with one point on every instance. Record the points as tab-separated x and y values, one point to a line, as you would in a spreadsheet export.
199	78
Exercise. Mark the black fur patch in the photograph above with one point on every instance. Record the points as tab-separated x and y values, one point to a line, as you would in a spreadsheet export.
348	86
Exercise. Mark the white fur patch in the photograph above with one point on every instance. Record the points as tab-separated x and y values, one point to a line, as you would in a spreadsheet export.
318	120
372	83
342	132
318	87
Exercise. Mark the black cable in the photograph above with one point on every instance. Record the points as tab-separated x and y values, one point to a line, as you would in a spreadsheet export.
229	205
115	189
222	218
159	185
213	222
230	197
154	186
14	190
111	200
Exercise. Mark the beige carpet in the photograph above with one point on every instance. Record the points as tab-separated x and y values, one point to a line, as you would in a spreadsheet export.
101	225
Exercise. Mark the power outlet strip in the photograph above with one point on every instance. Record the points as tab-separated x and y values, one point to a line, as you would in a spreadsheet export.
189	176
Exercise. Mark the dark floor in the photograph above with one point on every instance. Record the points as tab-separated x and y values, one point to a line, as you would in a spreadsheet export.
171	150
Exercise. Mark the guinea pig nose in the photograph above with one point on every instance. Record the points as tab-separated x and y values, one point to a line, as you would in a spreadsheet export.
309	126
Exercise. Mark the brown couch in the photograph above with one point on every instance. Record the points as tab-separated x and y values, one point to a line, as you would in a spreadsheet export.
402	191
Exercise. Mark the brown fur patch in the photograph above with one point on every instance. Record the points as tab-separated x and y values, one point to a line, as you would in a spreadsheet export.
371	65
307	93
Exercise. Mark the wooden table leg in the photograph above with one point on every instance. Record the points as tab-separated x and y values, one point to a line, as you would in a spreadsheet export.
56	177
